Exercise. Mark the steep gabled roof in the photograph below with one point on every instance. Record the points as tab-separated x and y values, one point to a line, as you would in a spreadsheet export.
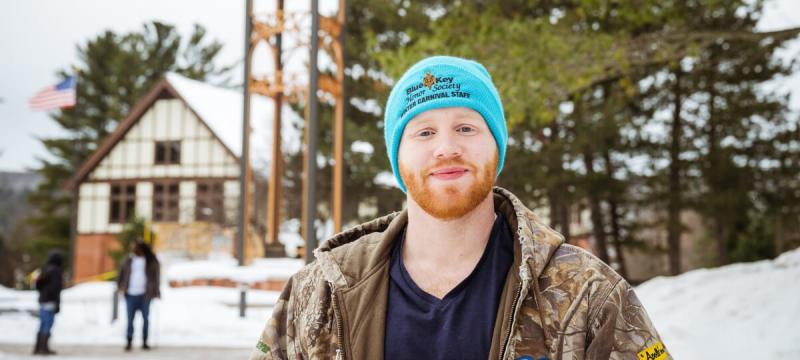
219	109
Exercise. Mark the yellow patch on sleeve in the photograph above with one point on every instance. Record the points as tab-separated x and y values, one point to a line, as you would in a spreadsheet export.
654	352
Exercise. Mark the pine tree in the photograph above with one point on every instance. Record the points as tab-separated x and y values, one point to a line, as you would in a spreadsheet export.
630	73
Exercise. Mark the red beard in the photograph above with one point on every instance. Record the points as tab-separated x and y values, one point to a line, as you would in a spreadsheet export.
451	201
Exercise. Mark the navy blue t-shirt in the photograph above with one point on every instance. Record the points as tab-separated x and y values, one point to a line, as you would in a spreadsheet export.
460	325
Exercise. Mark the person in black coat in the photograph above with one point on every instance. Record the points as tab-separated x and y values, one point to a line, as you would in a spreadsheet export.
139	278
49	284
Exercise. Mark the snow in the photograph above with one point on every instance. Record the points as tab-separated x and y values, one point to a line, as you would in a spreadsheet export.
259	270
387	179
744	311
747	310
292	242
363	147
221	109
185	316
195	316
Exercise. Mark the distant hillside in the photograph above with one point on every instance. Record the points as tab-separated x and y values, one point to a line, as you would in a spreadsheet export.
14	188
14	209
19	181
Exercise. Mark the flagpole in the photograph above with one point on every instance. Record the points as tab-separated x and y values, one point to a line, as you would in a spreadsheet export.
73	221
244	159
311	140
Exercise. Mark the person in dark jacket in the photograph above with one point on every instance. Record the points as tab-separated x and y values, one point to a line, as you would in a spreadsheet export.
49	284
138	280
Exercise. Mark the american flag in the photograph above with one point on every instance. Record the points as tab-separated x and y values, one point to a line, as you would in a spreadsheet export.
61	95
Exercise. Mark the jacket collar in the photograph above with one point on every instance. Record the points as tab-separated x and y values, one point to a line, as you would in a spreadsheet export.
350	256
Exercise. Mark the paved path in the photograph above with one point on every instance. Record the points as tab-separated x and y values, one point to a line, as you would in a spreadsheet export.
76	352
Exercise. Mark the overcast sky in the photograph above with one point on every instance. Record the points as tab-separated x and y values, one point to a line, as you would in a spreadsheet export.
39	37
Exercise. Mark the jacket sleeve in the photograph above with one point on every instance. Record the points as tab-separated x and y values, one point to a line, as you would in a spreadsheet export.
39	282
59	285
620	329
157	280
277	340
121	272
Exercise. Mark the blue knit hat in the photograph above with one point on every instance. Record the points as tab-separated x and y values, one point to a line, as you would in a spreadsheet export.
440	82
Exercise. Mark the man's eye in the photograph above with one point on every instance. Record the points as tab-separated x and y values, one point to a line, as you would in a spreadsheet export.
425	133
466	129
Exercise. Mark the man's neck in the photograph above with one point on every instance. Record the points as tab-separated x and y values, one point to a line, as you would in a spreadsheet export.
439	254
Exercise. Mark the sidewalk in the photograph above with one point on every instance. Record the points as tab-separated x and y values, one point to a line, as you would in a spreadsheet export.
77	352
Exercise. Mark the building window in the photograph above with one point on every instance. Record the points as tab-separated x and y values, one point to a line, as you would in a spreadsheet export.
165	201
122	203
210	202
168	152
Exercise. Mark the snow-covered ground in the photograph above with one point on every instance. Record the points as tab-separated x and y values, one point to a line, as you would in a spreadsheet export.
227	268
193	316
186	316
740	311
747	310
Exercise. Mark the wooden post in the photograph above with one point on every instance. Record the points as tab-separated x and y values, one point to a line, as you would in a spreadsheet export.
333	29
276	168
338	131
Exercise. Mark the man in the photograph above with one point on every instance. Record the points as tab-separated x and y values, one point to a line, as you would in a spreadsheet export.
49	284
466	271
139	280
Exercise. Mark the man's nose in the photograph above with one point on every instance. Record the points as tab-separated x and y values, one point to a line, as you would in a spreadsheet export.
447	147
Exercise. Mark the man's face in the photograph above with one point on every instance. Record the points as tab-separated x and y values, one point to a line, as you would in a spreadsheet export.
136	249
448	161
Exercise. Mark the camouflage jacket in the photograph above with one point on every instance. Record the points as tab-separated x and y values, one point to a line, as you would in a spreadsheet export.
559	302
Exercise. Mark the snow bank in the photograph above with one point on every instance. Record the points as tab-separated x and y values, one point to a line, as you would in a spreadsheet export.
259	270
744	311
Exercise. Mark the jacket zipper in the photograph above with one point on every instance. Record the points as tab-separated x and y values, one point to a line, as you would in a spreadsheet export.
512	321
339	326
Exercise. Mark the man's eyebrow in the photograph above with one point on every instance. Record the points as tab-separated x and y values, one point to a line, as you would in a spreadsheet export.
420	122
469	115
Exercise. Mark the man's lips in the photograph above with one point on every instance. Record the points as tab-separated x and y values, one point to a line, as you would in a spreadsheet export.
449	173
